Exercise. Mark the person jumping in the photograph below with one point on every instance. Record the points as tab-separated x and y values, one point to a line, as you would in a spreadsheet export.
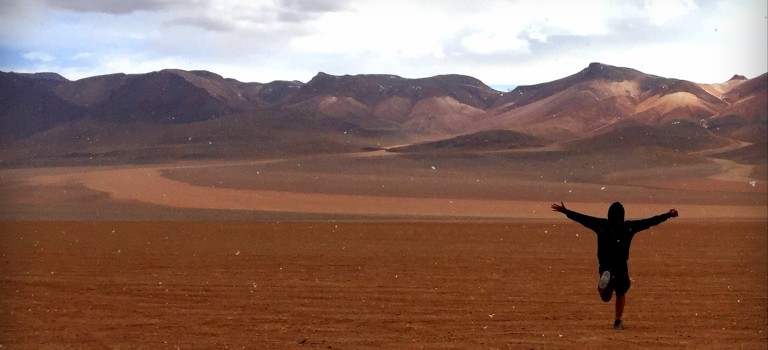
614	235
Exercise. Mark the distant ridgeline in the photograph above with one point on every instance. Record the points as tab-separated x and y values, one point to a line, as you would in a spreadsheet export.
176	114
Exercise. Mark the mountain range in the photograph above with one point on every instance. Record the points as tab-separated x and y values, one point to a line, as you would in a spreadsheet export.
174	114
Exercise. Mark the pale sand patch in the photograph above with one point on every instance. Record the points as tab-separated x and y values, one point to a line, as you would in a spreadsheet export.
147	185
667	103
733	171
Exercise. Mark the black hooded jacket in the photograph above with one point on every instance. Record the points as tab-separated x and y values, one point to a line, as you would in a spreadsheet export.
614	235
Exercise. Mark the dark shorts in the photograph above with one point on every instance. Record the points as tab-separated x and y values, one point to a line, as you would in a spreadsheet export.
619	279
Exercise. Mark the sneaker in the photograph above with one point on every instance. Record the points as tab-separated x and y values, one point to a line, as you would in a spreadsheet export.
604	279
619	325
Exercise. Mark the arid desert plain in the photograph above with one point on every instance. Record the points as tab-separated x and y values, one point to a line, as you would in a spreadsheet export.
375	251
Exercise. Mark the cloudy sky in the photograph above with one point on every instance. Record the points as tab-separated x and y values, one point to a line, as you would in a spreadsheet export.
503	43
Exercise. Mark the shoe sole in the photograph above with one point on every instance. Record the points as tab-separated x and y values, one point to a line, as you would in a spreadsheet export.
604	279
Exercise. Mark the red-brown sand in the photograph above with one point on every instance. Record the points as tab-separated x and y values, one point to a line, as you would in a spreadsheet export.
512	285
328	254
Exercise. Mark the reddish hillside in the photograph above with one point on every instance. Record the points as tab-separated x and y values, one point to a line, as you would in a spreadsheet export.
443	104
746	115
598	99
523	95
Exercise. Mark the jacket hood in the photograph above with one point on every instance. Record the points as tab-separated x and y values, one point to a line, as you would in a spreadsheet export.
616	213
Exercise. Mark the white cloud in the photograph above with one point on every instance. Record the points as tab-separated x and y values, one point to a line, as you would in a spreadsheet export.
82	55
376	28
39	56
112	7
662	11
499	42
492	43
576	18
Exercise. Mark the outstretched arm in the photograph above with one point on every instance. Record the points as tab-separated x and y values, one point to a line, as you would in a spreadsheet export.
639	225
559	207
589	222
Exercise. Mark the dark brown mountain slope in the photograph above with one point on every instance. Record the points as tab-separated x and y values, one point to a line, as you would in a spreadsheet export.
246	135
28	106
270	94
161	97
89	92
676	136
372	89
483	141
237	95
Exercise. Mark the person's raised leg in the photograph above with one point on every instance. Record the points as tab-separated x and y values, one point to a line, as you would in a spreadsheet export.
603	286
605	294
